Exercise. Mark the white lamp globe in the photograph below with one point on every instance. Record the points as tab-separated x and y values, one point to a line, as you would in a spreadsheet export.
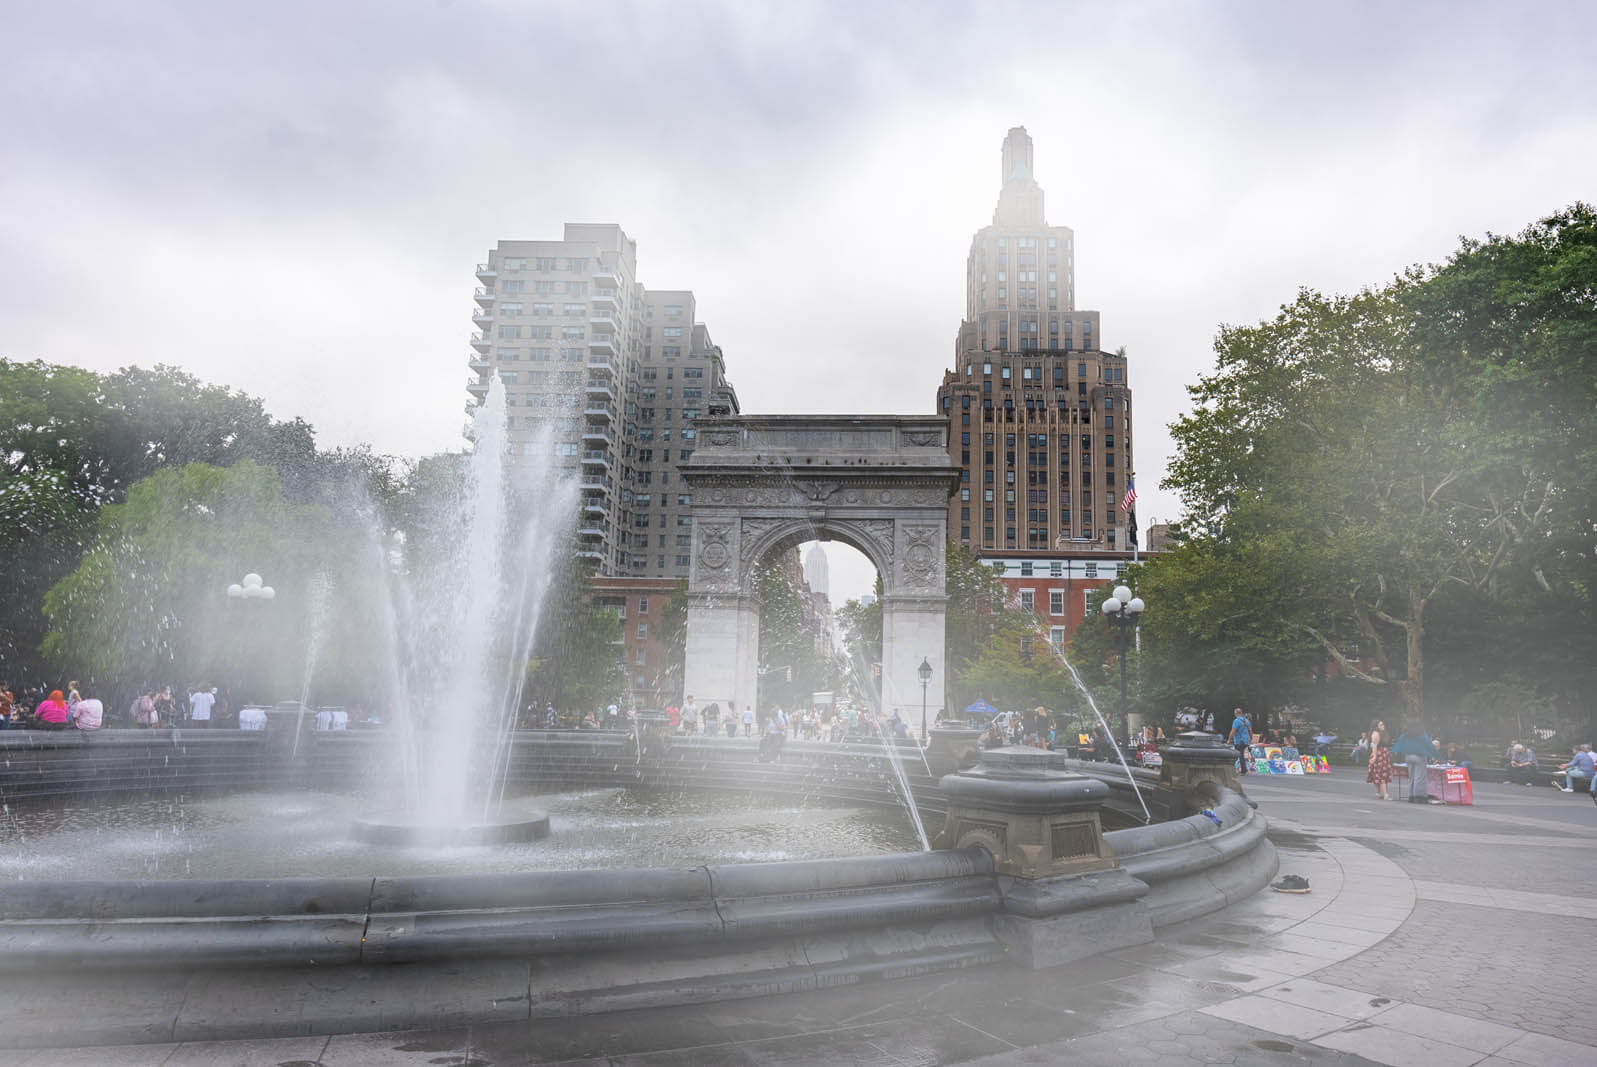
267	592
252	580
1135	606
1122	593
252	592
1111	606
235	590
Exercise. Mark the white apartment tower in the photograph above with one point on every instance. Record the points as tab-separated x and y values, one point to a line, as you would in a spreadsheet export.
578	341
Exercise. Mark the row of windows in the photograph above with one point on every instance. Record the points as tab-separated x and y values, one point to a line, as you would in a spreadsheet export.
1036	537
546	287
544	263
567	333
542	311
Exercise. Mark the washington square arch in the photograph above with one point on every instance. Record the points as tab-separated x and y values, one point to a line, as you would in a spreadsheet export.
765	483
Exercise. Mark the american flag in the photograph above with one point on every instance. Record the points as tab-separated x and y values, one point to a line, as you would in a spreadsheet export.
1131	495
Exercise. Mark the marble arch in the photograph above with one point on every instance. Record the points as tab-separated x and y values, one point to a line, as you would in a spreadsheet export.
761	483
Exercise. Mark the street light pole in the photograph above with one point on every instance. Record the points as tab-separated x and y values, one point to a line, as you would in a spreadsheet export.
925	672
1122	611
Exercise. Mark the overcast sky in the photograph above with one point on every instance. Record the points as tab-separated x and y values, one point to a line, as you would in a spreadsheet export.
289	198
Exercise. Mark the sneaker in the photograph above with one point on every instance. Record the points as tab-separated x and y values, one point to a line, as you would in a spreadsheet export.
1565	789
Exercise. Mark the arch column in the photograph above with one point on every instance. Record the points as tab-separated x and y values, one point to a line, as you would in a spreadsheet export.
913	628
723	649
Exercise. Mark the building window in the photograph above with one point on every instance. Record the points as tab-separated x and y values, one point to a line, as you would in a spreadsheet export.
671	331
643	605
1028	600
1056	601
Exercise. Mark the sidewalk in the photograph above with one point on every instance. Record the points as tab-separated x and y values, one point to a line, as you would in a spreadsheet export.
1429	939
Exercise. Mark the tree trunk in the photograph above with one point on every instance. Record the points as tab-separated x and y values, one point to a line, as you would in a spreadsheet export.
1414	685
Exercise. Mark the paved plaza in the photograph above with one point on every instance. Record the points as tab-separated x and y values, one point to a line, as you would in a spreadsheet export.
1434	936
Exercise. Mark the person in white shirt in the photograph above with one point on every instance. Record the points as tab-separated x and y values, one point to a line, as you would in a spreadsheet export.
748	721
200	704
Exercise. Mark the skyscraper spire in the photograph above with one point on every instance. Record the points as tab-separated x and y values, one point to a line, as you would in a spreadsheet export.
1020	198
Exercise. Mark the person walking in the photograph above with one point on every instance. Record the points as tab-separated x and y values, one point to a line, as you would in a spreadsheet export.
1380	771
1241	736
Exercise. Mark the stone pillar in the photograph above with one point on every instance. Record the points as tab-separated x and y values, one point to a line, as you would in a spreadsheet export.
1192	759
913	629
713	649
1064	896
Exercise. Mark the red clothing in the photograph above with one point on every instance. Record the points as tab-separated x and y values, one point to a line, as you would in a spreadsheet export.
51	711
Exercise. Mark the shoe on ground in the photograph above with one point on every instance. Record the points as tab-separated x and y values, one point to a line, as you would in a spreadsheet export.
1565	789
1292	883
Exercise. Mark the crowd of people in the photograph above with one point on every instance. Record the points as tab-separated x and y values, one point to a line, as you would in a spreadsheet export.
42	708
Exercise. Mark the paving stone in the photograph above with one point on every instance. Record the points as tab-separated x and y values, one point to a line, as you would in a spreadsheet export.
400	1048
153	1055
1477	1034
1337	1000
1396	1048
1543	1051
1448	953
269	1052
1202	1039
1276	1017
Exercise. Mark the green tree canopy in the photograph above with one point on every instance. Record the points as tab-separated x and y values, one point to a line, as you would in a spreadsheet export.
1360	469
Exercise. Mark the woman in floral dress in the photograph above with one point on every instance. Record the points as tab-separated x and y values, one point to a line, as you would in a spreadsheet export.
1380	773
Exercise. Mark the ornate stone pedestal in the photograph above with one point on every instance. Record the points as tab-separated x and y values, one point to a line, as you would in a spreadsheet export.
953	748
1064	896
1189	761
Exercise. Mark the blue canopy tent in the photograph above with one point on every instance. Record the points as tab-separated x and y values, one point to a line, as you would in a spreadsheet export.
980	710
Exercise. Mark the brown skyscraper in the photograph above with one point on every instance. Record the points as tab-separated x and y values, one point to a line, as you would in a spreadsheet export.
1039	415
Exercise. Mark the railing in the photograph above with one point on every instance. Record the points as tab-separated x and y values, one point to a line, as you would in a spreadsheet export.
486	270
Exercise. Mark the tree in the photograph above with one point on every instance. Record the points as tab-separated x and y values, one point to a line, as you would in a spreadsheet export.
145	605
89	437
1361	464
1017	670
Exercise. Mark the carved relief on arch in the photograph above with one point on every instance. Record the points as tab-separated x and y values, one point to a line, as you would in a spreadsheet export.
923	563
716	555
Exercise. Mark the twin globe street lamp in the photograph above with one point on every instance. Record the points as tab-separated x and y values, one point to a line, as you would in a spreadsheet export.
251	589
925	672
1122	610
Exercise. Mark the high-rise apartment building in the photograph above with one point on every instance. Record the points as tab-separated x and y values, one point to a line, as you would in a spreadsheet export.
1039	415
579	344
680	375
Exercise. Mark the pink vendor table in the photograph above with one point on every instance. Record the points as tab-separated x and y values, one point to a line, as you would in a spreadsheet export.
1450	783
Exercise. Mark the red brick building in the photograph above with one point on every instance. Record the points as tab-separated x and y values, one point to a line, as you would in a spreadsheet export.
651	681
1055	587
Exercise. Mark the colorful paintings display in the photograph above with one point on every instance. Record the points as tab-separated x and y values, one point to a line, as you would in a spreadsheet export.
1272	759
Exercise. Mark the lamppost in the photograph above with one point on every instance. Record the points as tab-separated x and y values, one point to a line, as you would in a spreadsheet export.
925	672
251	588
1122	610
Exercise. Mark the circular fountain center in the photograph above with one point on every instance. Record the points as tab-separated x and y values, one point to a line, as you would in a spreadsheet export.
510	826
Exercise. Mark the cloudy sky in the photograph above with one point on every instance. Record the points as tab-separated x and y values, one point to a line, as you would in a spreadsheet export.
289	198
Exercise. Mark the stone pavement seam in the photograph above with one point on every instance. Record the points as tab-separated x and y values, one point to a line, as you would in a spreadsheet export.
1509	899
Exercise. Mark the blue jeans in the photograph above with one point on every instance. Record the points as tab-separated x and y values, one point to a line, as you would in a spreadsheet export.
1571	777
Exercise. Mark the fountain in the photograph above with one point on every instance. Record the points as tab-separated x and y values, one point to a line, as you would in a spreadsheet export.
485	605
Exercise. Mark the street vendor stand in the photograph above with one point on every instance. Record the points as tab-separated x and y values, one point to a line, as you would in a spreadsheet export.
1445	781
